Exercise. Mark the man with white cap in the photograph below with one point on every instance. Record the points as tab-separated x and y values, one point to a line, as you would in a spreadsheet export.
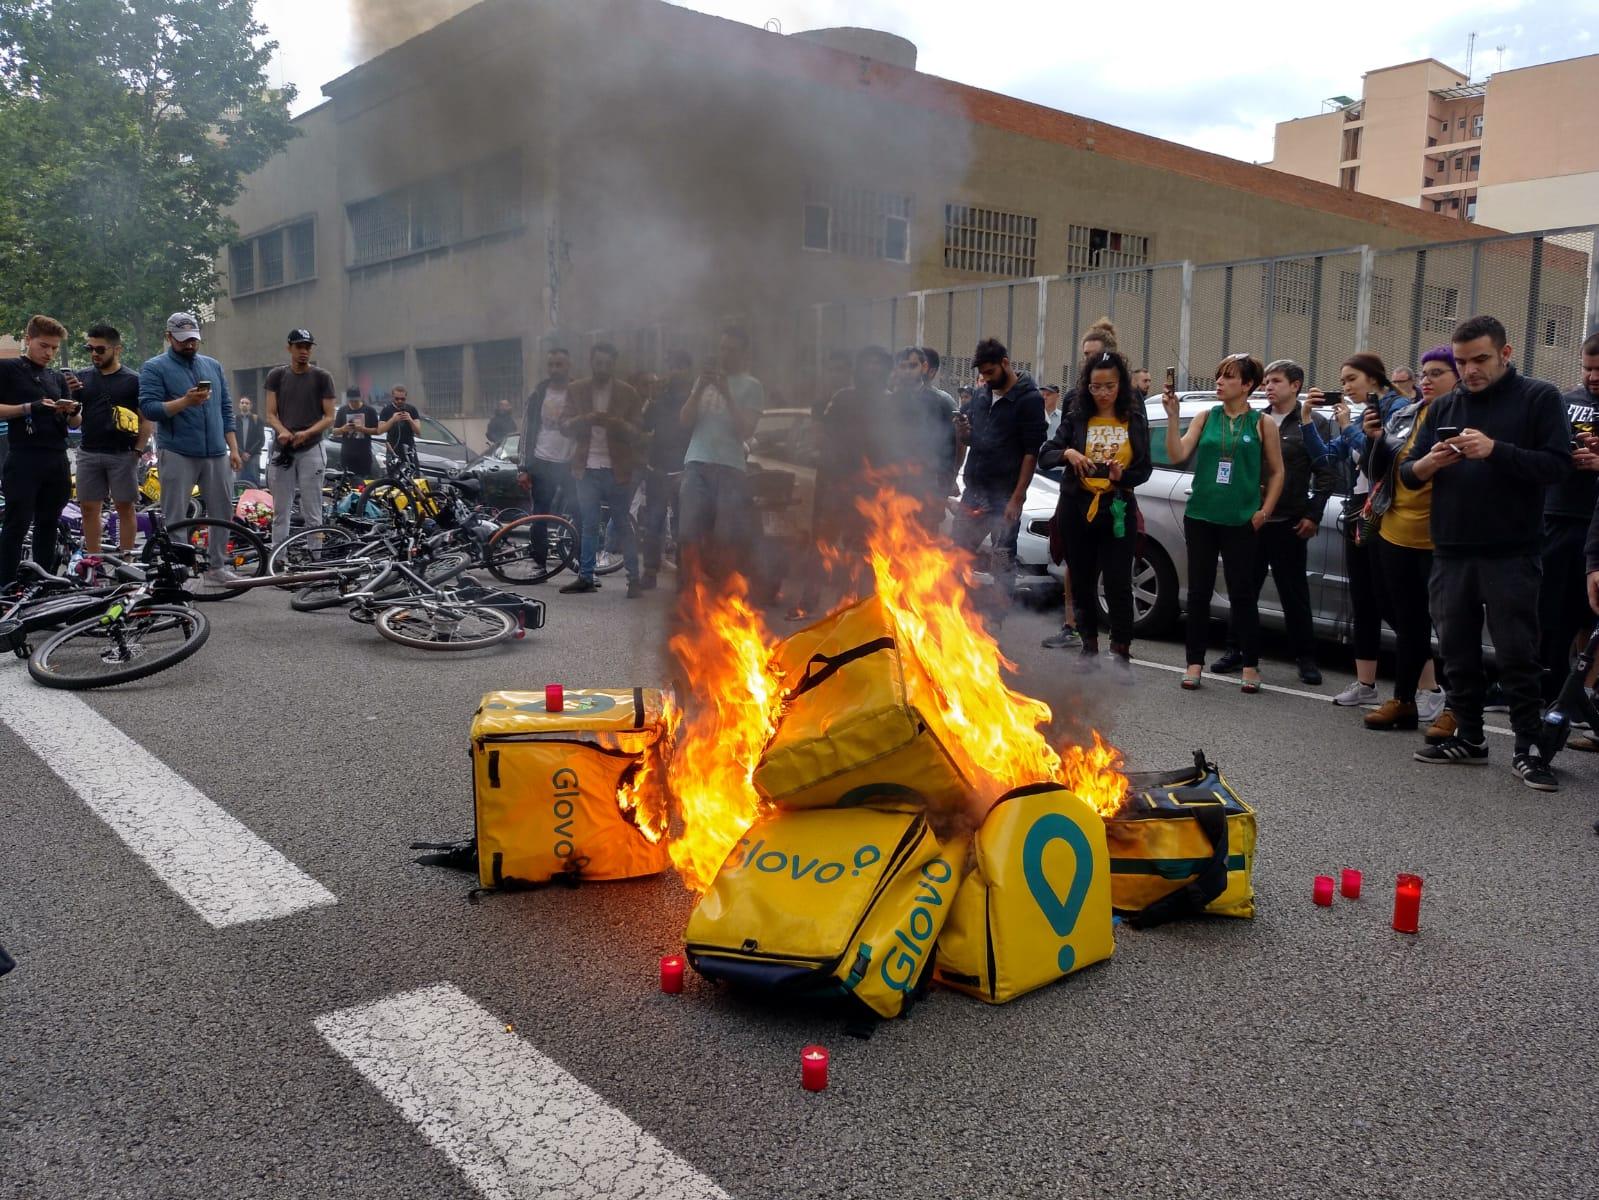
186	395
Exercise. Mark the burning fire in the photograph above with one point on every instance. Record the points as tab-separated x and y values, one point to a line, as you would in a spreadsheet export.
641	794
1095	774
725	652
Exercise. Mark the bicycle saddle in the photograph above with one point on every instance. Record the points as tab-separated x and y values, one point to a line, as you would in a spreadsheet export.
34	573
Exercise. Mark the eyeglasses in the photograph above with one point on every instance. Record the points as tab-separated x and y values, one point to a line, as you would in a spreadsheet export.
1104	389
1437	373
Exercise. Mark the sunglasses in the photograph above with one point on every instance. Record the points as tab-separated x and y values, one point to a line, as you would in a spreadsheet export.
87	349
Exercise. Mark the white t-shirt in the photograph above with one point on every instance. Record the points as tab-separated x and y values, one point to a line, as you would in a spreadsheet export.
1277	418
552	445
599	436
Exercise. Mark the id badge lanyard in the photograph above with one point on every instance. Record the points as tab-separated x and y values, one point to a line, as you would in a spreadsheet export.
1229	441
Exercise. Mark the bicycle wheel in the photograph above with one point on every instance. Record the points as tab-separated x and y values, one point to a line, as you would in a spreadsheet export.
532	549
244	553
315	597
108	650
309	549
429	625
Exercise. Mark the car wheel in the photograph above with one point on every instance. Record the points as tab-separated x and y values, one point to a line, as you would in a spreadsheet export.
1154	592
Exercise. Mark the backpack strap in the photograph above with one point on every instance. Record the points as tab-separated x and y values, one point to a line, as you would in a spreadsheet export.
1208	882
831	664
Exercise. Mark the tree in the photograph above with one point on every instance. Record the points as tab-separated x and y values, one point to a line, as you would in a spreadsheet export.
126	130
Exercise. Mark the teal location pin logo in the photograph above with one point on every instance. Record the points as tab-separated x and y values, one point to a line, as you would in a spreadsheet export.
1061	912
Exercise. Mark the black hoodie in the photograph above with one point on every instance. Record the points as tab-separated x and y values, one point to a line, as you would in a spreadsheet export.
1004	432
1493	507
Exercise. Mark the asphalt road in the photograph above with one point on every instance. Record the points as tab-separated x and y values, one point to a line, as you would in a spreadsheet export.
147	1053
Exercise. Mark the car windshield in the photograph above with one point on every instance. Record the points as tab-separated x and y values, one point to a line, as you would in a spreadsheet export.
786	437
506	450
437	434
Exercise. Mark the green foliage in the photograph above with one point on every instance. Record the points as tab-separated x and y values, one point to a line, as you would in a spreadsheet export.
126	130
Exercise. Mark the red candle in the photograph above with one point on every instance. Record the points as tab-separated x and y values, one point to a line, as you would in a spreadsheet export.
813	1068
554	698
1349	883
672	974
1323	891
1407	903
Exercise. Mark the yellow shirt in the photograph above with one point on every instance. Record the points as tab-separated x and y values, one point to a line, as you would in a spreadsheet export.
1107	442
1409	522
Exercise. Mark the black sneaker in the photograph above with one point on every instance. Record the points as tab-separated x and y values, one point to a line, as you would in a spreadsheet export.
1229	662
1088	656
1454	750
1060	641
635	589
1495	700
1534	772
1308	672
579	587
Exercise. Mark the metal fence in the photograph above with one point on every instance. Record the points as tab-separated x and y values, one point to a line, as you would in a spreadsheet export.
1315	308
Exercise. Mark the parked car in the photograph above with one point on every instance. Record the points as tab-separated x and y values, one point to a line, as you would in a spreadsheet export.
438	450
496	473
782	467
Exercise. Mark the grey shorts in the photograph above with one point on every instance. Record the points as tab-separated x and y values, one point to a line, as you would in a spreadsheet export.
103	477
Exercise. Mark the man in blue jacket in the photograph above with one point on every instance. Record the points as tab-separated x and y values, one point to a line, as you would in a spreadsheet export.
186	395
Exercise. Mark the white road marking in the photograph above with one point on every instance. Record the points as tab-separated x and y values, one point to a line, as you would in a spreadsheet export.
512	1121
1234	680
219	867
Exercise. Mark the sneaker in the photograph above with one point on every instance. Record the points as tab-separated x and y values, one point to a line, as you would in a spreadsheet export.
1229	662
223	577
1088	656
1585	742
635	589
1495	700
1442	728
1356	695
1060	641
1430	705
649	581
1534	772
1455	749
1121	665
1394	714
580	587
1309	673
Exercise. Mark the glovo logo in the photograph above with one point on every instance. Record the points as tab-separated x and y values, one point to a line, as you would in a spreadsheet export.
902	965
779	862
1061	912
562	808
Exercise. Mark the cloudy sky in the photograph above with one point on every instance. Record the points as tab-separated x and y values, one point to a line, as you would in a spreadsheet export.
1217	77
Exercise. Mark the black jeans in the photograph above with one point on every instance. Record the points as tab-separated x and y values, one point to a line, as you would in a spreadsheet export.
1563	610
1364	594
660	496
1236	546
1508	588
1092	550
1406	577
551	487
1281	551
37	485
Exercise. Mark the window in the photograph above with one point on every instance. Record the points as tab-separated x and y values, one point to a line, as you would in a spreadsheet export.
1426	181
1476	162
1295	291
1556	326
1382	295
442	384
1459	162
269	251
1461	125
380	227
435	215
1351	144
1431	142
1440	308
499	374
497	195
989	241
1437	206
242	259
1349	179
1471	208
302	250
473	201
857	222
1090	249
1476	125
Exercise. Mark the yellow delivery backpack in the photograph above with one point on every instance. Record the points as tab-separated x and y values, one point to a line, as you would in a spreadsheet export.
849	726
545	786
827	903
1184	844
1036	904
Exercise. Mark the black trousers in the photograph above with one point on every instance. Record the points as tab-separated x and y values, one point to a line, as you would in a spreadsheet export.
1563	610
1461	588
37	485
1364	594
1235	544
1286	555
1093	551
551	486
1406	577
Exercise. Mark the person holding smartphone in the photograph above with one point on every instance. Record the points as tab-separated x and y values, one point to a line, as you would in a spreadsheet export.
186	394
36	404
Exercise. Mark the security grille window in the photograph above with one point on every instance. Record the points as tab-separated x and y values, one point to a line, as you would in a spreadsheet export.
1440	308
259	262
1295	290
1556	325
380	227
442	381
499	373
270	256
989	241
1382	298
375	374
302	250
242	259
497	196
858	222
1090	249
435	215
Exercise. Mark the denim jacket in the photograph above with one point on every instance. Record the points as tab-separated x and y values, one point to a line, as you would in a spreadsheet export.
198	432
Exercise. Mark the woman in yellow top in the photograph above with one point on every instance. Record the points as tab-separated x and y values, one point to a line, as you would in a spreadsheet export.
1403	550
1238	476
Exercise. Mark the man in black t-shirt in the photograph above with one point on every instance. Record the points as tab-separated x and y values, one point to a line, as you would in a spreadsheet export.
37	480
299	407
354	424
401	422
113	435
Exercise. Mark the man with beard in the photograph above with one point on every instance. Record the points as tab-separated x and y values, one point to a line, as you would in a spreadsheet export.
921	446
186	395
38	404
602	417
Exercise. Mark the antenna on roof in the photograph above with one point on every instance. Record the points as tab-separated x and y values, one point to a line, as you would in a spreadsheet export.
1501	65
773	25
1471	52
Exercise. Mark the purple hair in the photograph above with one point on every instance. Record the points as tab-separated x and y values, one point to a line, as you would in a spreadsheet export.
1440	354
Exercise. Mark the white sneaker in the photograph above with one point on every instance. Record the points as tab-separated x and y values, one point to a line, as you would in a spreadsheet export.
1356	695
1429	705
223	577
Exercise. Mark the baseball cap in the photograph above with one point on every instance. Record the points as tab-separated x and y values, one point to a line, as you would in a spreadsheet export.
184	327
301	335
1049	387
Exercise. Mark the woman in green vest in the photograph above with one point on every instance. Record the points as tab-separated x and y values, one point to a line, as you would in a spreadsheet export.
1238	475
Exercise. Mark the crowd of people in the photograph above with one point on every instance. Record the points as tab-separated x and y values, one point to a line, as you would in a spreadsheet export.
1471	488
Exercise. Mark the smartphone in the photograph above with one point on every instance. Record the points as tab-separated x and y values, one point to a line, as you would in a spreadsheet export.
1171	379
1099	471
204	385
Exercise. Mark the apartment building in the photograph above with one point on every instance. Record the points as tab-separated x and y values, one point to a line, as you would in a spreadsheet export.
1517	152
534	171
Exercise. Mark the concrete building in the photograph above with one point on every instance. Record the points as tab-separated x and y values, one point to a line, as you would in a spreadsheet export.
1518	152
532	171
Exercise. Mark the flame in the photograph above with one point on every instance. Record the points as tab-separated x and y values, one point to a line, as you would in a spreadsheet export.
725	653
1095	774
642	794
